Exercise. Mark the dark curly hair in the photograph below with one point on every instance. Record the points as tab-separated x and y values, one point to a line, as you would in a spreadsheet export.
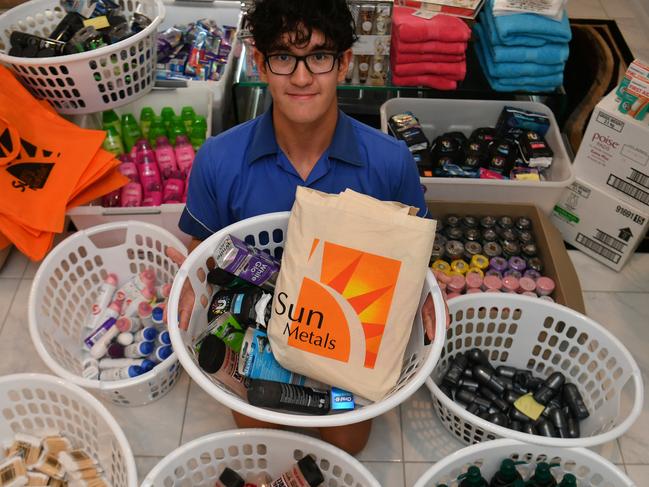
269	20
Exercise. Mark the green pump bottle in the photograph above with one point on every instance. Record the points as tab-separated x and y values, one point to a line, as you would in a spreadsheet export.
506	475
542	476
473	478
146	118
569	480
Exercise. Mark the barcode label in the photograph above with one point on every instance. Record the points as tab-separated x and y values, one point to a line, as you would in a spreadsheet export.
598	248
605	238
638	177
628	189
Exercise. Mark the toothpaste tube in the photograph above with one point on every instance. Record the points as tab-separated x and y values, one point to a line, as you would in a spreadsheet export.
133	288
637	69
160	354
138	350
113	310
101	344
104	298
120	374
156	317
163	292
99	332
128	325
247	262
116	363
147	334
164	338
131	307
144	312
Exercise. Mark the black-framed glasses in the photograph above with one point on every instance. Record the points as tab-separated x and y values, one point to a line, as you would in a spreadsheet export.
316	62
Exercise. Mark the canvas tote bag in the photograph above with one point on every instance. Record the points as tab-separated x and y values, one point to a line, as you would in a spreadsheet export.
352	272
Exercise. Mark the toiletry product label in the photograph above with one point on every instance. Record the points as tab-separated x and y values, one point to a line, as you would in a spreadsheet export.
614	154
258	362
248	263
372	45
227	328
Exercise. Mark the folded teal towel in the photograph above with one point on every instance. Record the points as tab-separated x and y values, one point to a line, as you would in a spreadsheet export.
511	70
511	27
550	53
530	84
487	19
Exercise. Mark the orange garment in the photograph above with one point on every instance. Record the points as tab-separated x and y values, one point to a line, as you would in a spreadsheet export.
47	165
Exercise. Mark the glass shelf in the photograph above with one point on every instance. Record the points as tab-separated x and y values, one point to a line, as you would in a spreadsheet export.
251	97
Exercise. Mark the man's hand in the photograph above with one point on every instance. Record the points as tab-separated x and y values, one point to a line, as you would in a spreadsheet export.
428	316
187	295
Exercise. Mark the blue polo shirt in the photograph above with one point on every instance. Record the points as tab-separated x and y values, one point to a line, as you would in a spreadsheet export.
243	173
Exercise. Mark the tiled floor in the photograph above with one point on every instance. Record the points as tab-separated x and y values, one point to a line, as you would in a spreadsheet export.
406	441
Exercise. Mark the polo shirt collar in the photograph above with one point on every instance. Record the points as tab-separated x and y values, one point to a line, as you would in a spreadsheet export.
344	146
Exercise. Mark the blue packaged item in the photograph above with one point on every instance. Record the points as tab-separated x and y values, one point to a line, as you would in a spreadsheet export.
258	362
514	121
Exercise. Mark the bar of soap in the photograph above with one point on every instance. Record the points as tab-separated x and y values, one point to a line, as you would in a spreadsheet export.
529	407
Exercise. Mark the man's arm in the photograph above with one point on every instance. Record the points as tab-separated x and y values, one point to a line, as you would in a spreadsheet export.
193	244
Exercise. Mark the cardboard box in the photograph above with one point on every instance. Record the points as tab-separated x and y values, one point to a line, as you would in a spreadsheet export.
614	153
600	224
550	245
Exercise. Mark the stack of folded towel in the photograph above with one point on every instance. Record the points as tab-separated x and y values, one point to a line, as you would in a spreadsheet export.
428	52
522	52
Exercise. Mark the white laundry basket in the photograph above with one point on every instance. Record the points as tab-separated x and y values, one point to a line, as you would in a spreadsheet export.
589	468
66	285
251	451
268	232
90	81
541	337
42	404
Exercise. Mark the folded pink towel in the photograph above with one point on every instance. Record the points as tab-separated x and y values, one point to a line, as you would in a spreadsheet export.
430	80
441	27
407	58
429	47
454	71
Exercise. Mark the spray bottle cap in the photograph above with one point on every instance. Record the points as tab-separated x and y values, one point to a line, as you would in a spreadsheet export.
310	470
230	478
211	354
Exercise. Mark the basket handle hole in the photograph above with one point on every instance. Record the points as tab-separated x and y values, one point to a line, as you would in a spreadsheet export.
108	239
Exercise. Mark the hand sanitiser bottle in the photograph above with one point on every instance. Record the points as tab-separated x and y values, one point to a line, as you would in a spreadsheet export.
113	142
146	118
184	155
569	480
506	475
542	476
166	156
110	119
473	478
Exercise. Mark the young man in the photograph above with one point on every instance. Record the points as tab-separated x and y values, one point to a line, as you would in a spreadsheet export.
302	50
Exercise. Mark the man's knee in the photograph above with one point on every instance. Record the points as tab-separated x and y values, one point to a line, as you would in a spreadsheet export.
351	438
